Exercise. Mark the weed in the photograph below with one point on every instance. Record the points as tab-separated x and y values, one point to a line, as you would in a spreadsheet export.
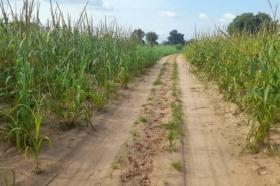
135	135
178	166
143	119
117	163
158	81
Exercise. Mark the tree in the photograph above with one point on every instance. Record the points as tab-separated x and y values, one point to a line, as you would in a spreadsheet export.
151	38
176	38
139	35
250	23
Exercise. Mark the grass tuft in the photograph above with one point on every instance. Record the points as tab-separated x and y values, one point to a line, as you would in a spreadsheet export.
178	166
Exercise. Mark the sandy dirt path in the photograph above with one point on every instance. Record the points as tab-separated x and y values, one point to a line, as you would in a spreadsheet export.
89	161
148	156
214	140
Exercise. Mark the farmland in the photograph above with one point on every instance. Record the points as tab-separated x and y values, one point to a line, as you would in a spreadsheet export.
63	70
86	103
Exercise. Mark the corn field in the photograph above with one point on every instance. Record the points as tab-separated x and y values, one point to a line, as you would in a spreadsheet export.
63	69
247	70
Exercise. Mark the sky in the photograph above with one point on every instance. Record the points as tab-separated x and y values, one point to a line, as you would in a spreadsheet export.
160	16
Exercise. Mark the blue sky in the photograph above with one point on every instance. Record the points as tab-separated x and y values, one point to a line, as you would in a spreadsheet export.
162	16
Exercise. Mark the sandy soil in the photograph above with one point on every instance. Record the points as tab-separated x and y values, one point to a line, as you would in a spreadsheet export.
215	136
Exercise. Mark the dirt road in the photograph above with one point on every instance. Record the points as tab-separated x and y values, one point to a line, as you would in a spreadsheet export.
124	152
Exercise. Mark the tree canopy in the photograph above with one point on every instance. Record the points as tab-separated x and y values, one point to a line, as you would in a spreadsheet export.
139	35
175	38
151	38
248	22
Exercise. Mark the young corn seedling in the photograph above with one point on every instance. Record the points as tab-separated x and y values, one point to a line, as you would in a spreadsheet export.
30	140
37	140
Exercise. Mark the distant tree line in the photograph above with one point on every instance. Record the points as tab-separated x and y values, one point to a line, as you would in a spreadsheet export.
175	38
151	38
252	24
244	23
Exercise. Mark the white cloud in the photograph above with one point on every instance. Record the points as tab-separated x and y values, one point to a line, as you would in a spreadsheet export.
168	14
203	16
226	18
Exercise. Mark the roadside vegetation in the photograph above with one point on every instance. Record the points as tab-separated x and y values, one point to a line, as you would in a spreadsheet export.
178	166
61	70
246	67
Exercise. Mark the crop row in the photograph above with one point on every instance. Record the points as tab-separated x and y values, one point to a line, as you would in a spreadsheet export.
247	70
61	70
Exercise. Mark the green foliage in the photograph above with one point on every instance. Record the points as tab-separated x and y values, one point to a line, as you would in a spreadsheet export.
176	38
178	166
179	47
123	77
99	99
247	69
163	50
251	23
27	138
143	119
139	35
74	66
151	38
72	108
